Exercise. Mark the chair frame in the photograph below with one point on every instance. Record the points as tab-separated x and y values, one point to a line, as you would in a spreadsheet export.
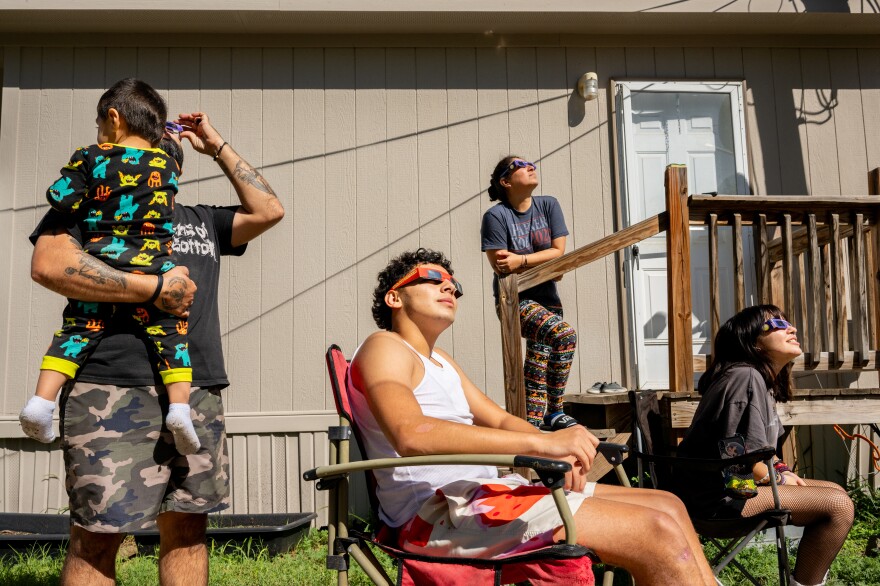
737	531
343	542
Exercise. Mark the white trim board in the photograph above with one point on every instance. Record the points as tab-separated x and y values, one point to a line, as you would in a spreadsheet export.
236	423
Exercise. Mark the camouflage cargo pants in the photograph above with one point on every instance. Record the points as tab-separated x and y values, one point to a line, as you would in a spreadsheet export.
121	465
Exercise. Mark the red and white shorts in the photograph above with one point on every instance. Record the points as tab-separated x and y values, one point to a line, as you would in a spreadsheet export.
487	518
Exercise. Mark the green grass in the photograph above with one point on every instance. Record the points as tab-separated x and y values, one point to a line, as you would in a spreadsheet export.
250	565
246	565
851	567
35	568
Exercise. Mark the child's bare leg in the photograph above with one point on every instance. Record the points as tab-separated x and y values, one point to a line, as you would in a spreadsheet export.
36	417
179	421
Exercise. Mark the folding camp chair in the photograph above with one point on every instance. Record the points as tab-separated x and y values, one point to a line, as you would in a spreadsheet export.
729	535
567	562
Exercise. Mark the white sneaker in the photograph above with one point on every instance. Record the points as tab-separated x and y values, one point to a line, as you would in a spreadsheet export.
596	388
612	388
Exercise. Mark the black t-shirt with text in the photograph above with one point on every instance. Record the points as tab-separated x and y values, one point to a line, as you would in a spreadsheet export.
202	235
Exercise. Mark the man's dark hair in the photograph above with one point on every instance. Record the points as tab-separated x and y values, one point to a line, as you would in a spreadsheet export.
173	149
396	269
142	107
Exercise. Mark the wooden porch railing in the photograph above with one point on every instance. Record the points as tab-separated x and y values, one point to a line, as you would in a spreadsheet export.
821	268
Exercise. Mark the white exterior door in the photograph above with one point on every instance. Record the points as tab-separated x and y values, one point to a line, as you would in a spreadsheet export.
702	126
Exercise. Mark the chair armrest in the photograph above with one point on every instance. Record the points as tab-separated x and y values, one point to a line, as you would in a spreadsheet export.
551	472
718	465
709	464
612	452
539	465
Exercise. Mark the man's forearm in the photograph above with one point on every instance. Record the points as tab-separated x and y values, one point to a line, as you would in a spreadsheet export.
252	188
437	436
260	207
60	265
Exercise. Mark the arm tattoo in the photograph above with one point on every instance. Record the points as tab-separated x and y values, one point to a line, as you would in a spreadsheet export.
94	270
251	176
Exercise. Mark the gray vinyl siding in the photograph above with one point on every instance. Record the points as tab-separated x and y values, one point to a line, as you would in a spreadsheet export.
373	151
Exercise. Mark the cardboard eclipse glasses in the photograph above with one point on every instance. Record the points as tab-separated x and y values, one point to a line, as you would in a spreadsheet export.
428	274
775	323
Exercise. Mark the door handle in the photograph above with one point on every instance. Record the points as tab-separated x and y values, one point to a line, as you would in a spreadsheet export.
635	254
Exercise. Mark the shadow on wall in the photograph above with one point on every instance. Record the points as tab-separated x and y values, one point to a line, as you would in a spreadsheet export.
798	5
827	100
828	5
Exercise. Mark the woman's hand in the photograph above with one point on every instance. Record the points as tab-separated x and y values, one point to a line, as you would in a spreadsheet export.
792	479
508	262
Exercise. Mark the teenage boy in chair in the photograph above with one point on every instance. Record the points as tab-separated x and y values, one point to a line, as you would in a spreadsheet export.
411	398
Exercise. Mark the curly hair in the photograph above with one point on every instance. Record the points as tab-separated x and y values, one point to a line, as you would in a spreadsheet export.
736	343
394	271
497	192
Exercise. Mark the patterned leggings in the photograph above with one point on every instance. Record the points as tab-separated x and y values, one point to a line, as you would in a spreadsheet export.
550	344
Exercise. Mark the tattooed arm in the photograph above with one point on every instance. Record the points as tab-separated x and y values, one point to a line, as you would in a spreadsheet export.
61	265
260	208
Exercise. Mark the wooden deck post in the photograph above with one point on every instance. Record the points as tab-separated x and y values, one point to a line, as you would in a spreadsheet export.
678	258
874	265
511	346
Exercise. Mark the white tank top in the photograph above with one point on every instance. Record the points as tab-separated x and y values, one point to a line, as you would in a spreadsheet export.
401	491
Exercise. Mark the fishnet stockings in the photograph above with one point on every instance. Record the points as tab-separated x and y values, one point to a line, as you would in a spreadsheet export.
825	512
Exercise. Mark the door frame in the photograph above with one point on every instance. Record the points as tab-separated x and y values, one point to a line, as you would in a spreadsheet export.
629	374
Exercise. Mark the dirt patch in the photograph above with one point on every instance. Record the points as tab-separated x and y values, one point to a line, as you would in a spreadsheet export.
128	549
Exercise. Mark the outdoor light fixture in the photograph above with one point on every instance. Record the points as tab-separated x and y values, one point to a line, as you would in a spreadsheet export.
588	86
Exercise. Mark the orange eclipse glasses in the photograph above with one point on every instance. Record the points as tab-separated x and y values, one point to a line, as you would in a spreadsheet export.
428	274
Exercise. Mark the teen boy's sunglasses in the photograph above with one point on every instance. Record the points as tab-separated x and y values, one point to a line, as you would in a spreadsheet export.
517	164
427	274
775	323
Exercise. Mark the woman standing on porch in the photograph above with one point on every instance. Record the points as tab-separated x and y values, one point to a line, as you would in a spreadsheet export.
523	231
750	372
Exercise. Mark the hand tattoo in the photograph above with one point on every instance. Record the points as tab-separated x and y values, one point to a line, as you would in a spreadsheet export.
251	176
173	293
96	271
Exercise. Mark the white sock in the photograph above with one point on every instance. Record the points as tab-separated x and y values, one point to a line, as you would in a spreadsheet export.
180	424
36	419
793	582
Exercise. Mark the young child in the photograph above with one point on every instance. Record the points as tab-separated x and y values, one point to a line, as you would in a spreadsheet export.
122	190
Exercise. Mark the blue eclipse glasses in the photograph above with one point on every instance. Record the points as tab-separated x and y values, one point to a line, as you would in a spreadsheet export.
173	128
517	164
776	323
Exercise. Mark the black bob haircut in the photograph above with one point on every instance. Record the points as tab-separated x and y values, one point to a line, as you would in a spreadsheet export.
736	343
139	104
394	271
